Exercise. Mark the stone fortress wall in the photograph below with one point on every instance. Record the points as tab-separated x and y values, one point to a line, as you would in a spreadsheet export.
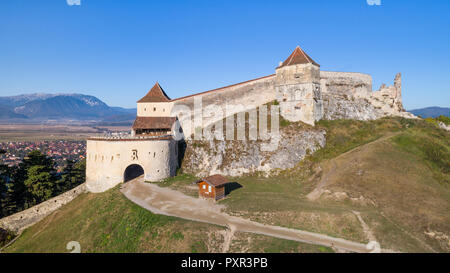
226	101
342	95
23	219
348	95
303	91
108	159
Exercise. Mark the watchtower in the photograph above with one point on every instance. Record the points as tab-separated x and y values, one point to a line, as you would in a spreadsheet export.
297	88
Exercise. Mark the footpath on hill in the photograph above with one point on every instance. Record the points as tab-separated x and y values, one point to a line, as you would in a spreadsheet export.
174	203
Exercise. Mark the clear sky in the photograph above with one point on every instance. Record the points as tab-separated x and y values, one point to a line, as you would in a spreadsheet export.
116	50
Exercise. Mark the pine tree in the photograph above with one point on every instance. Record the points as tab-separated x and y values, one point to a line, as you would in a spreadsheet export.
10	203
2	193
73	175
40	184
37	174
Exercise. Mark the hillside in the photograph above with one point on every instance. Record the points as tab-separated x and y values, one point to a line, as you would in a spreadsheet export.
108	222
386	180
391	175
42	107
431	112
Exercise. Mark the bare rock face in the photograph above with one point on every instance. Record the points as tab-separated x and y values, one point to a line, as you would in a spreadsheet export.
444	126
235	158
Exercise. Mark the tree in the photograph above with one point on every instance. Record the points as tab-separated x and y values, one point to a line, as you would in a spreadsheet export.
2	193
11	193
37	174
40	184
73	175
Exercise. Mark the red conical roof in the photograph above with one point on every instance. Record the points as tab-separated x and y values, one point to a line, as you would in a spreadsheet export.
156	94
298	57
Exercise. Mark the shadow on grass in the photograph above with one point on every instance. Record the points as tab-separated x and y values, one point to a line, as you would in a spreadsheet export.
231	186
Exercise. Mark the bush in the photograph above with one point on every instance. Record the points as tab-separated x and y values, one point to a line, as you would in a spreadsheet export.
5	237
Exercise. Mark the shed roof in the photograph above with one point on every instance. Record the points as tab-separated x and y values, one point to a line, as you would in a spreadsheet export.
153	122
298	56
156	94
215	180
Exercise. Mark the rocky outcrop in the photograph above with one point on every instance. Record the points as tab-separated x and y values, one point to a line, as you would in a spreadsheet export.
443	126
235	158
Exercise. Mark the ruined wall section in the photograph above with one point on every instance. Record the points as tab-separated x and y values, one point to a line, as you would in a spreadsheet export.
389	98
348	95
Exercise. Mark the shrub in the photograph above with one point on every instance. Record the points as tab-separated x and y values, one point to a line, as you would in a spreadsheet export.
5	237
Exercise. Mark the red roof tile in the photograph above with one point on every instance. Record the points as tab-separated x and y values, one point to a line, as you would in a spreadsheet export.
153	122
298	57
156	94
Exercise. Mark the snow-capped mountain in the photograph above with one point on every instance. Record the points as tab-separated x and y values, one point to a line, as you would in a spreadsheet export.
61	106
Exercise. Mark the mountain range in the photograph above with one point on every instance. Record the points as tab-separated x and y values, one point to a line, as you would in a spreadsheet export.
432	112
62	108
38	107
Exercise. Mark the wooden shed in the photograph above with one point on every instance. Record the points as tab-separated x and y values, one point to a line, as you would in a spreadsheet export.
212	187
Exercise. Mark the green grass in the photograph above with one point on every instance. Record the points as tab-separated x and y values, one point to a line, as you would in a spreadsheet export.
108	222
344	135
404	180
263	244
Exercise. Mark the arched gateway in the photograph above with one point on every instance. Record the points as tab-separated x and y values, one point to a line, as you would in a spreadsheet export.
133	171
150	149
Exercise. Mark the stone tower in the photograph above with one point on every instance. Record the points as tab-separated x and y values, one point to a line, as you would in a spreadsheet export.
297	88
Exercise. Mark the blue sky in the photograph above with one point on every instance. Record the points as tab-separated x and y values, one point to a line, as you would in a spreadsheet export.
116	50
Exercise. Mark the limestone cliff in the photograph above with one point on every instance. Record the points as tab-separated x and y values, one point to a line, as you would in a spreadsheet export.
235	158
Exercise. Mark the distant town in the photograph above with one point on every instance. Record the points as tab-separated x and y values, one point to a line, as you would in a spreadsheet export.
59	150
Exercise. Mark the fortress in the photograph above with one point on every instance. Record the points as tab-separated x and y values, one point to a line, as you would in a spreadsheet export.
303	92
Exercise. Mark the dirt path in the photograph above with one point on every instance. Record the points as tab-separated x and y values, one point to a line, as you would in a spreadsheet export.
174	203
341	162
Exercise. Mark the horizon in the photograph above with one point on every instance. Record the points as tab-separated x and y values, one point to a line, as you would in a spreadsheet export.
117	51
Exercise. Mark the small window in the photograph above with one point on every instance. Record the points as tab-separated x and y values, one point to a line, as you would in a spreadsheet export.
145	109
209	188
204	186
164	109
154	108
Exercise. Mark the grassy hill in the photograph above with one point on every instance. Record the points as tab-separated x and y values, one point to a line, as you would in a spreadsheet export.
108	222
386	180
